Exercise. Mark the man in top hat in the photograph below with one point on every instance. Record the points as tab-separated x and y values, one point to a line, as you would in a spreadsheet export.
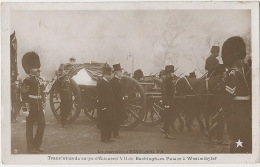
212	61
236	97
167	99
33	97
117	87
106	105
64	88
138	75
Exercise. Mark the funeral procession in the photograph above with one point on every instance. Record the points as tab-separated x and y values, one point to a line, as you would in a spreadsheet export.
131	83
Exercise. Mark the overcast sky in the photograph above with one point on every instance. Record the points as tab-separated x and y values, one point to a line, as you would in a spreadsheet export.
185	36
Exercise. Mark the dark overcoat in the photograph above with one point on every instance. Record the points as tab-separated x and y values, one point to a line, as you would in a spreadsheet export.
117	87
106	104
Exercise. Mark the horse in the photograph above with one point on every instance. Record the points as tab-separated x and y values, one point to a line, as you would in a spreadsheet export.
196	97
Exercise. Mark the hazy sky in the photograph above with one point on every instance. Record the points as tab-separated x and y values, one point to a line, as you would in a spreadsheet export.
112	35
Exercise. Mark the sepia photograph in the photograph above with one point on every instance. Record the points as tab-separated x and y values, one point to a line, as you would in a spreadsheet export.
148	82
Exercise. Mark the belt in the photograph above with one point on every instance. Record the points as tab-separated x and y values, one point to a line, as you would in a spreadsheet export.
35	97
241	98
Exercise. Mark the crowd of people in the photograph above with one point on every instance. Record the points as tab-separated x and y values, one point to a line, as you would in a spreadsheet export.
235	103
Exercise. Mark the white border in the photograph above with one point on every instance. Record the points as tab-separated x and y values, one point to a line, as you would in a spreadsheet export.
8	158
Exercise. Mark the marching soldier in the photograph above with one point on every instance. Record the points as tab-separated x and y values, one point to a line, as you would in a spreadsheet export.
117	87
64	87
33	97
106	106
237	101
212	62
167	99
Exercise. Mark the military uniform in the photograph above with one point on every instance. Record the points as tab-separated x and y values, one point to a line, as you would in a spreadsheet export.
117	87
33	94
64	88
237	101
35	97
106	108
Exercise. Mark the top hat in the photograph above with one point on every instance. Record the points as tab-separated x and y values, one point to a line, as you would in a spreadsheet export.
233	49
192	75
169	69
214	49
138	74
107	70
117	67
30	60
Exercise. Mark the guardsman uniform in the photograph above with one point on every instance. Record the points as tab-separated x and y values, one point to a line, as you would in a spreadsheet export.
167	91
117	87
212	62
33	95
237	100
106	106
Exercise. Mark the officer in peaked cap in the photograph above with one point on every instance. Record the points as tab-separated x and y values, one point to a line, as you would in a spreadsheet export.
33	97
212	61
106	105
138	74
236	97
167	99
119	98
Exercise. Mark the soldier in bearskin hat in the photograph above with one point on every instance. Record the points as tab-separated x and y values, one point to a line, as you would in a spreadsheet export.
138	75
106	105
167	99
236	98
117	87
212	62
33	97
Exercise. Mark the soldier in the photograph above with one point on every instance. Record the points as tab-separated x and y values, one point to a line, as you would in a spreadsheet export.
167	99
33	97
212	62
106	106
237	100
64	87
138	75
117	87
218	120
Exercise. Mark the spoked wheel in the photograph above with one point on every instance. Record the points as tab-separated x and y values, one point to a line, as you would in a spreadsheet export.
154	109
135	103
55	102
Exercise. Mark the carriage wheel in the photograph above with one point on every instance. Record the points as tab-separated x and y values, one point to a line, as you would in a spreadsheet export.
76	98
135	104
154	109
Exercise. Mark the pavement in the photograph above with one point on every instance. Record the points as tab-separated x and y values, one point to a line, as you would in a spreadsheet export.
83	137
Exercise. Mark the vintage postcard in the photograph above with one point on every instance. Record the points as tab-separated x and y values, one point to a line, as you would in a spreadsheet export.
130	82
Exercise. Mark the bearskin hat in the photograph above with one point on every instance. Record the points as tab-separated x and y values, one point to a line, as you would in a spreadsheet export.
233	49
30	60
138	74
